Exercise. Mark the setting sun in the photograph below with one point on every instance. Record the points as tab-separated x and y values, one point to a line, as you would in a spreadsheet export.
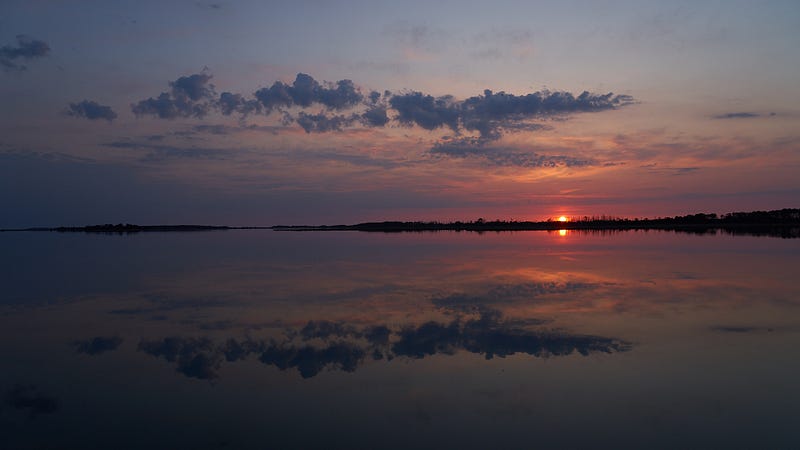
563	219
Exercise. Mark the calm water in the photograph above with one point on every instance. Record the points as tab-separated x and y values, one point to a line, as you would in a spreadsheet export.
261	339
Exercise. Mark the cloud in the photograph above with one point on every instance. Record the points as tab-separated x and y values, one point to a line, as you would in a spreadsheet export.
190	96
91	110
98	345
229	103
416	108
306	91
490	114
321	123
738	115
28	397
375	116
476	148
196	87
27	49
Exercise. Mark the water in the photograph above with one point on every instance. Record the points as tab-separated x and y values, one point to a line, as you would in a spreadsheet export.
261	339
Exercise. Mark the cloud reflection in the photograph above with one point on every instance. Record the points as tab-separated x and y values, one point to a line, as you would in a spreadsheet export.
29	398
98	345
326	345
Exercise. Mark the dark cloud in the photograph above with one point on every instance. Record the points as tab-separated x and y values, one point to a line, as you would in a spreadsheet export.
503	157
490	114
416	108
98	345
190	96
27	49
229	103
321	123
375	116
29	398
306	91
373	97
91	110
738	115
196	86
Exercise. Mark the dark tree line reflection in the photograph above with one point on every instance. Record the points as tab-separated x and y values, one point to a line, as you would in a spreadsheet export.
326	345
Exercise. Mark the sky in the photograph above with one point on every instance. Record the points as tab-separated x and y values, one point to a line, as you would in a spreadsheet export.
325	112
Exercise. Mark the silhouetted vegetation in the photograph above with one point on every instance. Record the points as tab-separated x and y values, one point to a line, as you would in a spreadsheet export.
783	223
126	228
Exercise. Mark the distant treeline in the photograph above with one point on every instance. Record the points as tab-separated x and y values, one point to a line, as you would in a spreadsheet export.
131	228
780	223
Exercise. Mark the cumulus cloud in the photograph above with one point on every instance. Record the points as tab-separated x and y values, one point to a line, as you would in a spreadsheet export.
492	111
321	123
26	49
190	96
306	91
229	103
341	104
91	110
416	108
375	116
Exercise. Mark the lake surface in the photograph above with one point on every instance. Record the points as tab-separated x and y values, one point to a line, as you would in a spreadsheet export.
261	339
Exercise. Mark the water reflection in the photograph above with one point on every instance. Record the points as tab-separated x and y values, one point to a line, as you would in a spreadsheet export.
321	345
30	400
98	345
321	340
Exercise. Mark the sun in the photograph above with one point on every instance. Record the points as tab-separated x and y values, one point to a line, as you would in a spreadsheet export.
563	219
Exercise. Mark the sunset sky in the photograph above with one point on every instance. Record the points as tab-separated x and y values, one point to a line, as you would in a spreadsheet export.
264	113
